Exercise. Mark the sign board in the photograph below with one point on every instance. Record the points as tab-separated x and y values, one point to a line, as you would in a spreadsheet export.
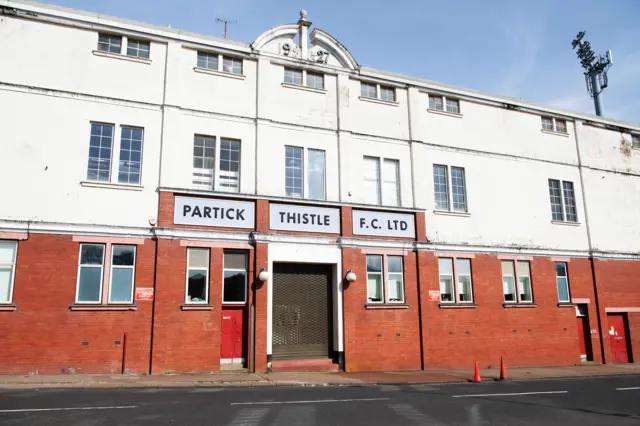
214	212
144	293
434	295
383	224
285	217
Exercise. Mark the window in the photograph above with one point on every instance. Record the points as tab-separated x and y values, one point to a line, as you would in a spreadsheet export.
521	274
458	199
444	103
563	204
293	171
130	155
8	252
138	48
235	278
304	78
553	124
389	192
197	275
292	76
372	180
635	141
90	273
435	102
315	80
391	187
377	91
453	105
109	43
562	280
376	279
123	260
205	151
100	143
455	282
316	174
217	62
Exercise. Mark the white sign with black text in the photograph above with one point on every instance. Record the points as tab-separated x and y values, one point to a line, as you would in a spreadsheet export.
284	217
214	212
383	224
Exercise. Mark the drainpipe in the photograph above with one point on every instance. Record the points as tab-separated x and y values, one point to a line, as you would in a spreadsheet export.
591	259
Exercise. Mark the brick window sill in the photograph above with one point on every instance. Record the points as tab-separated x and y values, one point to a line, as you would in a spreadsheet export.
195	307
442	112
220	73
122	57
8	308
566	305
80	307
519	305
378	101
457	306
386	306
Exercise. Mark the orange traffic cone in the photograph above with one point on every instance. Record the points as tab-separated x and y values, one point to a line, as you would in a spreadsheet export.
476	374
503	369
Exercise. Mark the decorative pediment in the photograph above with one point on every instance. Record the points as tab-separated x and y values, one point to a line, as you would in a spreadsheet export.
319	47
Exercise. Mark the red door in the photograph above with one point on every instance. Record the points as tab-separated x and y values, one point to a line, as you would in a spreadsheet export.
583	344
618	338
232	345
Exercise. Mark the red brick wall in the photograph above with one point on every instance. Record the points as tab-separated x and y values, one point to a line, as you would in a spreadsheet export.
387	339
541	336
261	302
634	338
42	336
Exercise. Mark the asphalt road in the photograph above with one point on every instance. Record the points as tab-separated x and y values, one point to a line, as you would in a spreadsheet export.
598	401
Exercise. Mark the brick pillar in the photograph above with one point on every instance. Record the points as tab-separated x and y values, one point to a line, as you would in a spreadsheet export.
261	304
262	216
428	280
346	222
421	227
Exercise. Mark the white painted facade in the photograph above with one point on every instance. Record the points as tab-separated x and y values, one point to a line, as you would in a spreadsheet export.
54	84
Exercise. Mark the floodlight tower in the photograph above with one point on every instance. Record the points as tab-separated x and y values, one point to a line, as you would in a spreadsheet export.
596	68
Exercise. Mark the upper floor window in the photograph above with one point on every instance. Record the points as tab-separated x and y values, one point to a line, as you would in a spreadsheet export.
138	48
101	145
444	103
313	187
292	76
553	124
303	77
455	280
91	267
562	281
377	91
8	252
205	152
520	274
110	43
454	200
563	201
235	277
635	141
315	80
389	192
197	284
219	62
385	279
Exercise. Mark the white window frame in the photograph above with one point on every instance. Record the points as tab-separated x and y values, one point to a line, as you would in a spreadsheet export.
122	43
516	282
378	96
563	203
456	285
566	277
206	280
133	273
385	178
382	179
138	50
304	80
221	59
554	122
102	269
246	276
209	179
635	141
116	144
305	172
443	100
12	267
449	189
385	279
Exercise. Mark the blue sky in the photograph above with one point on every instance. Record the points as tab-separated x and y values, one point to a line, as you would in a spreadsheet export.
519	48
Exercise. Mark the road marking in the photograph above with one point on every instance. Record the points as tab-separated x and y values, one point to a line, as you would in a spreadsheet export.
302	415
249	417
635	388
409	412
389	388
316	401
508	394
29	410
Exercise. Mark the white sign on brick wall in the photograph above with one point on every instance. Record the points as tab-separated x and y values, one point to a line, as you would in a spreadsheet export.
304	218
214	212
383	224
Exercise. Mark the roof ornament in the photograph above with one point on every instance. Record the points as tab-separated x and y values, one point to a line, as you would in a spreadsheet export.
303	15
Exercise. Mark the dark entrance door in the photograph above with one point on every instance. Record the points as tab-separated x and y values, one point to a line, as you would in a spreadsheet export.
618	338
301	311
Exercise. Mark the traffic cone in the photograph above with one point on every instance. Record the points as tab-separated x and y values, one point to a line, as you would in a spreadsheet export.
476	374
503	369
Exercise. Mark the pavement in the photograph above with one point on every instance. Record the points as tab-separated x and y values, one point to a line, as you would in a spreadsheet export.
242	379
611	400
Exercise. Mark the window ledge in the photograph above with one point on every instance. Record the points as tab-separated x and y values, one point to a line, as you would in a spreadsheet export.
519	305
378	101
553	132
457	305
82	307
451	213
306	88
122	57
386	306
8	308
565	223
195	307
220	73
107	185
566	305
443	112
